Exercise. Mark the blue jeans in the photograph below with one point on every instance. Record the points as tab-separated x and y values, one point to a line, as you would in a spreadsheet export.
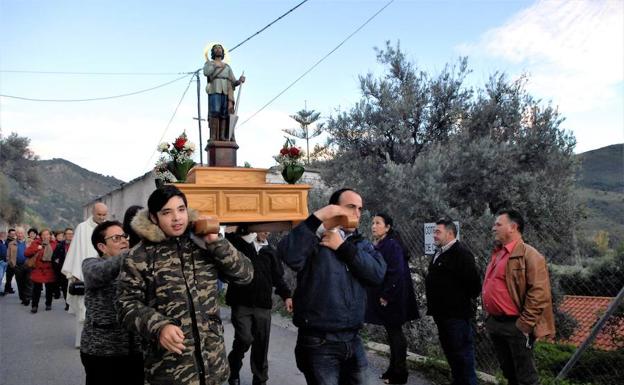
456	338
218	106
326	362
3	267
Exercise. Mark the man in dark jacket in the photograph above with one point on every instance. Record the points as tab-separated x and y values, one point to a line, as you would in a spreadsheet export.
10	272
58	259
3	255
452	284
251	304
333	265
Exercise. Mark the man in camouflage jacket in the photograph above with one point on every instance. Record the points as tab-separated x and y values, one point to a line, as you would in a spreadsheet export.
168	293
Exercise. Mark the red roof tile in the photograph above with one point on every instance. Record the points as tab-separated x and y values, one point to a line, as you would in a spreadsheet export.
587	311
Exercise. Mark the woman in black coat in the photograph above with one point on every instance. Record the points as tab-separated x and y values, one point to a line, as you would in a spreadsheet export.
393	303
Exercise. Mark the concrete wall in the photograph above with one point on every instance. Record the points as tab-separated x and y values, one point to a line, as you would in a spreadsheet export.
134	192
138	190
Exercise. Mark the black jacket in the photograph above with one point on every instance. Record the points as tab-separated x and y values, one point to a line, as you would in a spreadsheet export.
452	283
58	258
268	272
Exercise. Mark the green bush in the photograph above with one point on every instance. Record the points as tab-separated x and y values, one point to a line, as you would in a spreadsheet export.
594	366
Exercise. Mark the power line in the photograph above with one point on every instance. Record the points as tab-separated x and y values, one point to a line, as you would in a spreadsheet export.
89	73
268	25
318	62
100	98
170	120
128	73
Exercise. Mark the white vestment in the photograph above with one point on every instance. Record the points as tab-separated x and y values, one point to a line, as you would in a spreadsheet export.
79	249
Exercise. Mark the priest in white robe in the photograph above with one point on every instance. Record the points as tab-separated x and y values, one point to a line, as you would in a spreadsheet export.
80	249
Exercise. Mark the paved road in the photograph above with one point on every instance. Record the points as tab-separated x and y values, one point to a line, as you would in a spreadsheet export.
37	349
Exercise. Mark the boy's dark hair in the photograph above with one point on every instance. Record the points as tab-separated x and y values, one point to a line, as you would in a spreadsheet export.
33	229
99	233
161	196
515	217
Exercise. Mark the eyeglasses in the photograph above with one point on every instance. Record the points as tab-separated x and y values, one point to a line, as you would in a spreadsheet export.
117	238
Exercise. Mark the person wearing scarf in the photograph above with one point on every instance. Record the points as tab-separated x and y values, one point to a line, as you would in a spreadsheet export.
41	249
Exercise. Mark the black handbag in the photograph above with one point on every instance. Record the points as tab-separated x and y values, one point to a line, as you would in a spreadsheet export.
76	288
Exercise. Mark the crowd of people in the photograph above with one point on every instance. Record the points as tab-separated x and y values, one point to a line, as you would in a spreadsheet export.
34	258
145	293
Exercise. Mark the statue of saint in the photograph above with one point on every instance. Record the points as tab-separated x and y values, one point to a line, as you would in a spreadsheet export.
220	88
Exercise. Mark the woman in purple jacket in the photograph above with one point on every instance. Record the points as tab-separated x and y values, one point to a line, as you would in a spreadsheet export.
393	303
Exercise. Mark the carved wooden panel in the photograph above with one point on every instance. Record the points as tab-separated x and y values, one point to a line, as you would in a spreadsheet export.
241	197
241	204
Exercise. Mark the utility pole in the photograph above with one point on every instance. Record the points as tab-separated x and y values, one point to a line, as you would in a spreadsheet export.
199	120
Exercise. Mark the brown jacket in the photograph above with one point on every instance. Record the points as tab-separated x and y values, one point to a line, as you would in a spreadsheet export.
12	251
528	283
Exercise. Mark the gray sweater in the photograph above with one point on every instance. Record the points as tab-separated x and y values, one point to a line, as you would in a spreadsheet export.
102	334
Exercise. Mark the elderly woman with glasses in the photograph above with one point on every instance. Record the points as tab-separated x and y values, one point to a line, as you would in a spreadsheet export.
109	353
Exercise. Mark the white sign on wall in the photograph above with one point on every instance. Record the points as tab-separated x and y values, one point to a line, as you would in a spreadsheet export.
429	229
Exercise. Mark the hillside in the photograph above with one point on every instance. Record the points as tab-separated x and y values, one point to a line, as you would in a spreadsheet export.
601	192
603	168
65	188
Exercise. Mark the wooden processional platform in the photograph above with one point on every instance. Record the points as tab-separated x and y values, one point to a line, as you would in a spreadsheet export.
236	195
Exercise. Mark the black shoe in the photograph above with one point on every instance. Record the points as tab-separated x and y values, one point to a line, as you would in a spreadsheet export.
34	309
396	378
48	307
66	306
234	381
26	302
1	294
384	375
10	291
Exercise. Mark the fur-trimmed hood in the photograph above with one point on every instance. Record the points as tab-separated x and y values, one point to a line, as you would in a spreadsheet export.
146	229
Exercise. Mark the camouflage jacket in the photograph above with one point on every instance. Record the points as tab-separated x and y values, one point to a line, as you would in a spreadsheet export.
174	281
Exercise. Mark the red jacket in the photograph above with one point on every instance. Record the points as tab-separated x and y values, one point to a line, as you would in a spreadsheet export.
43	272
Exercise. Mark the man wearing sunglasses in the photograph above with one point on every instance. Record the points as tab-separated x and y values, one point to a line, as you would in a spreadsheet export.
109	353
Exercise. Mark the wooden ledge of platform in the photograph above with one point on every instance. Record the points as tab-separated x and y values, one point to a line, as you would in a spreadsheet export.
241	195
219	176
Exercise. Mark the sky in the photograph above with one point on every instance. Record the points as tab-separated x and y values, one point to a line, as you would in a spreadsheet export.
573	52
